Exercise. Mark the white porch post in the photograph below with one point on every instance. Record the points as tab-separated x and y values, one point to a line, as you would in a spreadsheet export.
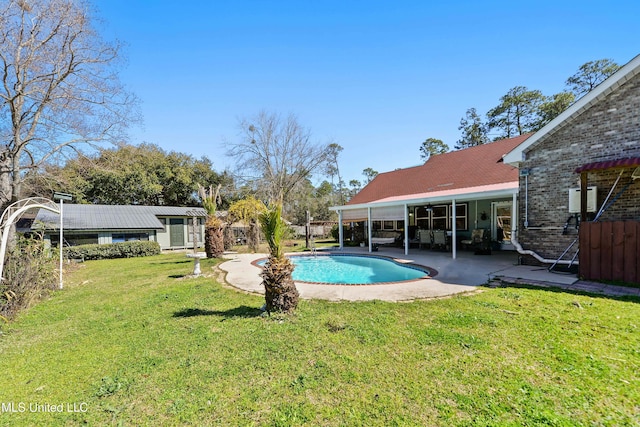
453	229
60	243
340	230
406	229
369	228
514	217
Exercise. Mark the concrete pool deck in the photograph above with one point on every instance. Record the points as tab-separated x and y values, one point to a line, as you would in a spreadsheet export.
455	276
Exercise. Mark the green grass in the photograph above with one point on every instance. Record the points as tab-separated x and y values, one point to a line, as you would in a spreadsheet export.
132	342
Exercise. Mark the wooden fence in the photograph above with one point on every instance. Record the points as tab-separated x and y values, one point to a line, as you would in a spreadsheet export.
610	251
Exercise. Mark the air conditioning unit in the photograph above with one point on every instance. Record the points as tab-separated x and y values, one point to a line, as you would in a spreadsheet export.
574	199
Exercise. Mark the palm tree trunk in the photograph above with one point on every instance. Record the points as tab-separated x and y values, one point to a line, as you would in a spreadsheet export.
214	240
280	290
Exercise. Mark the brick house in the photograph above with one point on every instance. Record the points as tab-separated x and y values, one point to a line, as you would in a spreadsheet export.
594	143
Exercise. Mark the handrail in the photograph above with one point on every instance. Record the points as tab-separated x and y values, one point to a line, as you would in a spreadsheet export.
13	212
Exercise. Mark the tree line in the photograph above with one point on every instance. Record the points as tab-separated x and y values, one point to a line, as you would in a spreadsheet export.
522	110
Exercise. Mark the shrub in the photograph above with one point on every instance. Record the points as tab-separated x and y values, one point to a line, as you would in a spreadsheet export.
346	233
113	250
29	275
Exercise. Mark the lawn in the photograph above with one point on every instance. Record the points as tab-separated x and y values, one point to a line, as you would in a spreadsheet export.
133	342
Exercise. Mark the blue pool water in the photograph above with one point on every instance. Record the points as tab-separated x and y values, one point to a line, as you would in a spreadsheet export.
351	269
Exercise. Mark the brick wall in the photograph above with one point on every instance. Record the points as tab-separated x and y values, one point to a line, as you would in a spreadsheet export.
608	130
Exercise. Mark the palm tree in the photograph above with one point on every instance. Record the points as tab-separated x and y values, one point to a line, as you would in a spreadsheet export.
213	227
248	211
280	291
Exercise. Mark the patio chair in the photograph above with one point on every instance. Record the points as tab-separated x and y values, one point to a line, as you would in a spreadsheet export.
439	240
480	241
424	238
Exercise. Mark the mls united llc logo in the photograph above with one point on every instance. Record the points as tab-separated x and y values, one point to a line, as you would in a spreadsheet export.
22	407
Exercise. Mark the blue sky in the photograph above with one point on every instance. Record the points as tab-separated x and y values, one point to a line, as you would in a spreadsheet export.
376	77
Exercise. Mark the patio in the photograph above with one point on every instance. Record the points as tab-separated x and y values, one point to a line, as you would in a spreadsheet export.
455	276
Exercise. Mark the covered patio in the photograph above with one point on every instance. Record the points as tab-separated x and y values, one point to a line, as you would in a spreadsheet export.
440	203
457	212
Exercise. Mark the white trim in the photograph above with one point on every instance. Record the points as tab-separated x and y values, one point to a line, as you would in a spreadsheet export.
476	193
515	156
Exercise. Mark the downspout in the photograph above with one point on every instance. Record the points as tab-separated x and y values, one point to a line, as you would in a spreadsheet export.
518	246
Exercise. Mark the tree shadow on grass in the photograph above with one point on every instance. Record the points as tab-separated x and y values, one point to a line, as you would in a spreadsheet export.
186	261
619	294
242	311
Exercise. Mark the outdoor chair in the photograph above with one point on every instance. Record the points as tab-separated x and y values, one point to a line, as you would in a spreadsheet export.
425	238
439	239
480	241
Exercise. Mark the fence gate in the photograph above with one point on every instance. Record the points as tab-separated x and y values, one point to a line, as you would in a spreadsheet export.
610	251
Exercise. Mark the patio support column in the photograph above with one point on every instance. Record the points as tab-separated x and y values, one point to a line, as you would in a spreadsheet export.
406	229
369	228
340	231
453	229
583	196
514	216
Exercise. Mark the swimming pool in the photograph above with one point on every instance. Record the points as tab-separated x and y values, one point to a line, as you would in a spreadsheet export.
352	269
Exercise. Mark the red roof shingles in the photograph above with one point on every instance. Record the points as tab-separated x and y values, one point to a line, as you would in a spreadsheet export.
471	167
609	164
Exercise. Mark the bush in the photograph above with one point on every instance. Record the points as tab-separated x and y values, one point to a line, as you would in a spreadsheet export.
335	232
29	275
113	250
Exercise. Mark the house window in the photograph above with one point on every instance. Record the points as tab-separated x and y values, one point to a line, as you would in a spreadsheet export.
128	237
439	218
388	225
376	225
461	217
74	239
423	218
400	225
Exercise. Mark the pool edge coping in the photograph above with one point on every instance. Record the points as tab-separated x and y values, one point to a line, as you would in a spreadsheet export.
432	272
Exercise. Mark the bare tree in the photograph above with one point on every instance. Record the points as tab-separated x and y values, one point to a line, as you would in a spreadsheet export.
58	88
275	155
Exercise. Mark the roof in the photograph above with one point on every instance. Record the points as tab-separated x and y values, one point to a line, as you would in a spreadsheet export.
610	164
620	77
113	217
457	172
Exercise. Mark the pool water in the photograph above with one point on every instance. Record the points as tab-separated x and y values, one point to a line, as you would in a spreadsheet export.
351	270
